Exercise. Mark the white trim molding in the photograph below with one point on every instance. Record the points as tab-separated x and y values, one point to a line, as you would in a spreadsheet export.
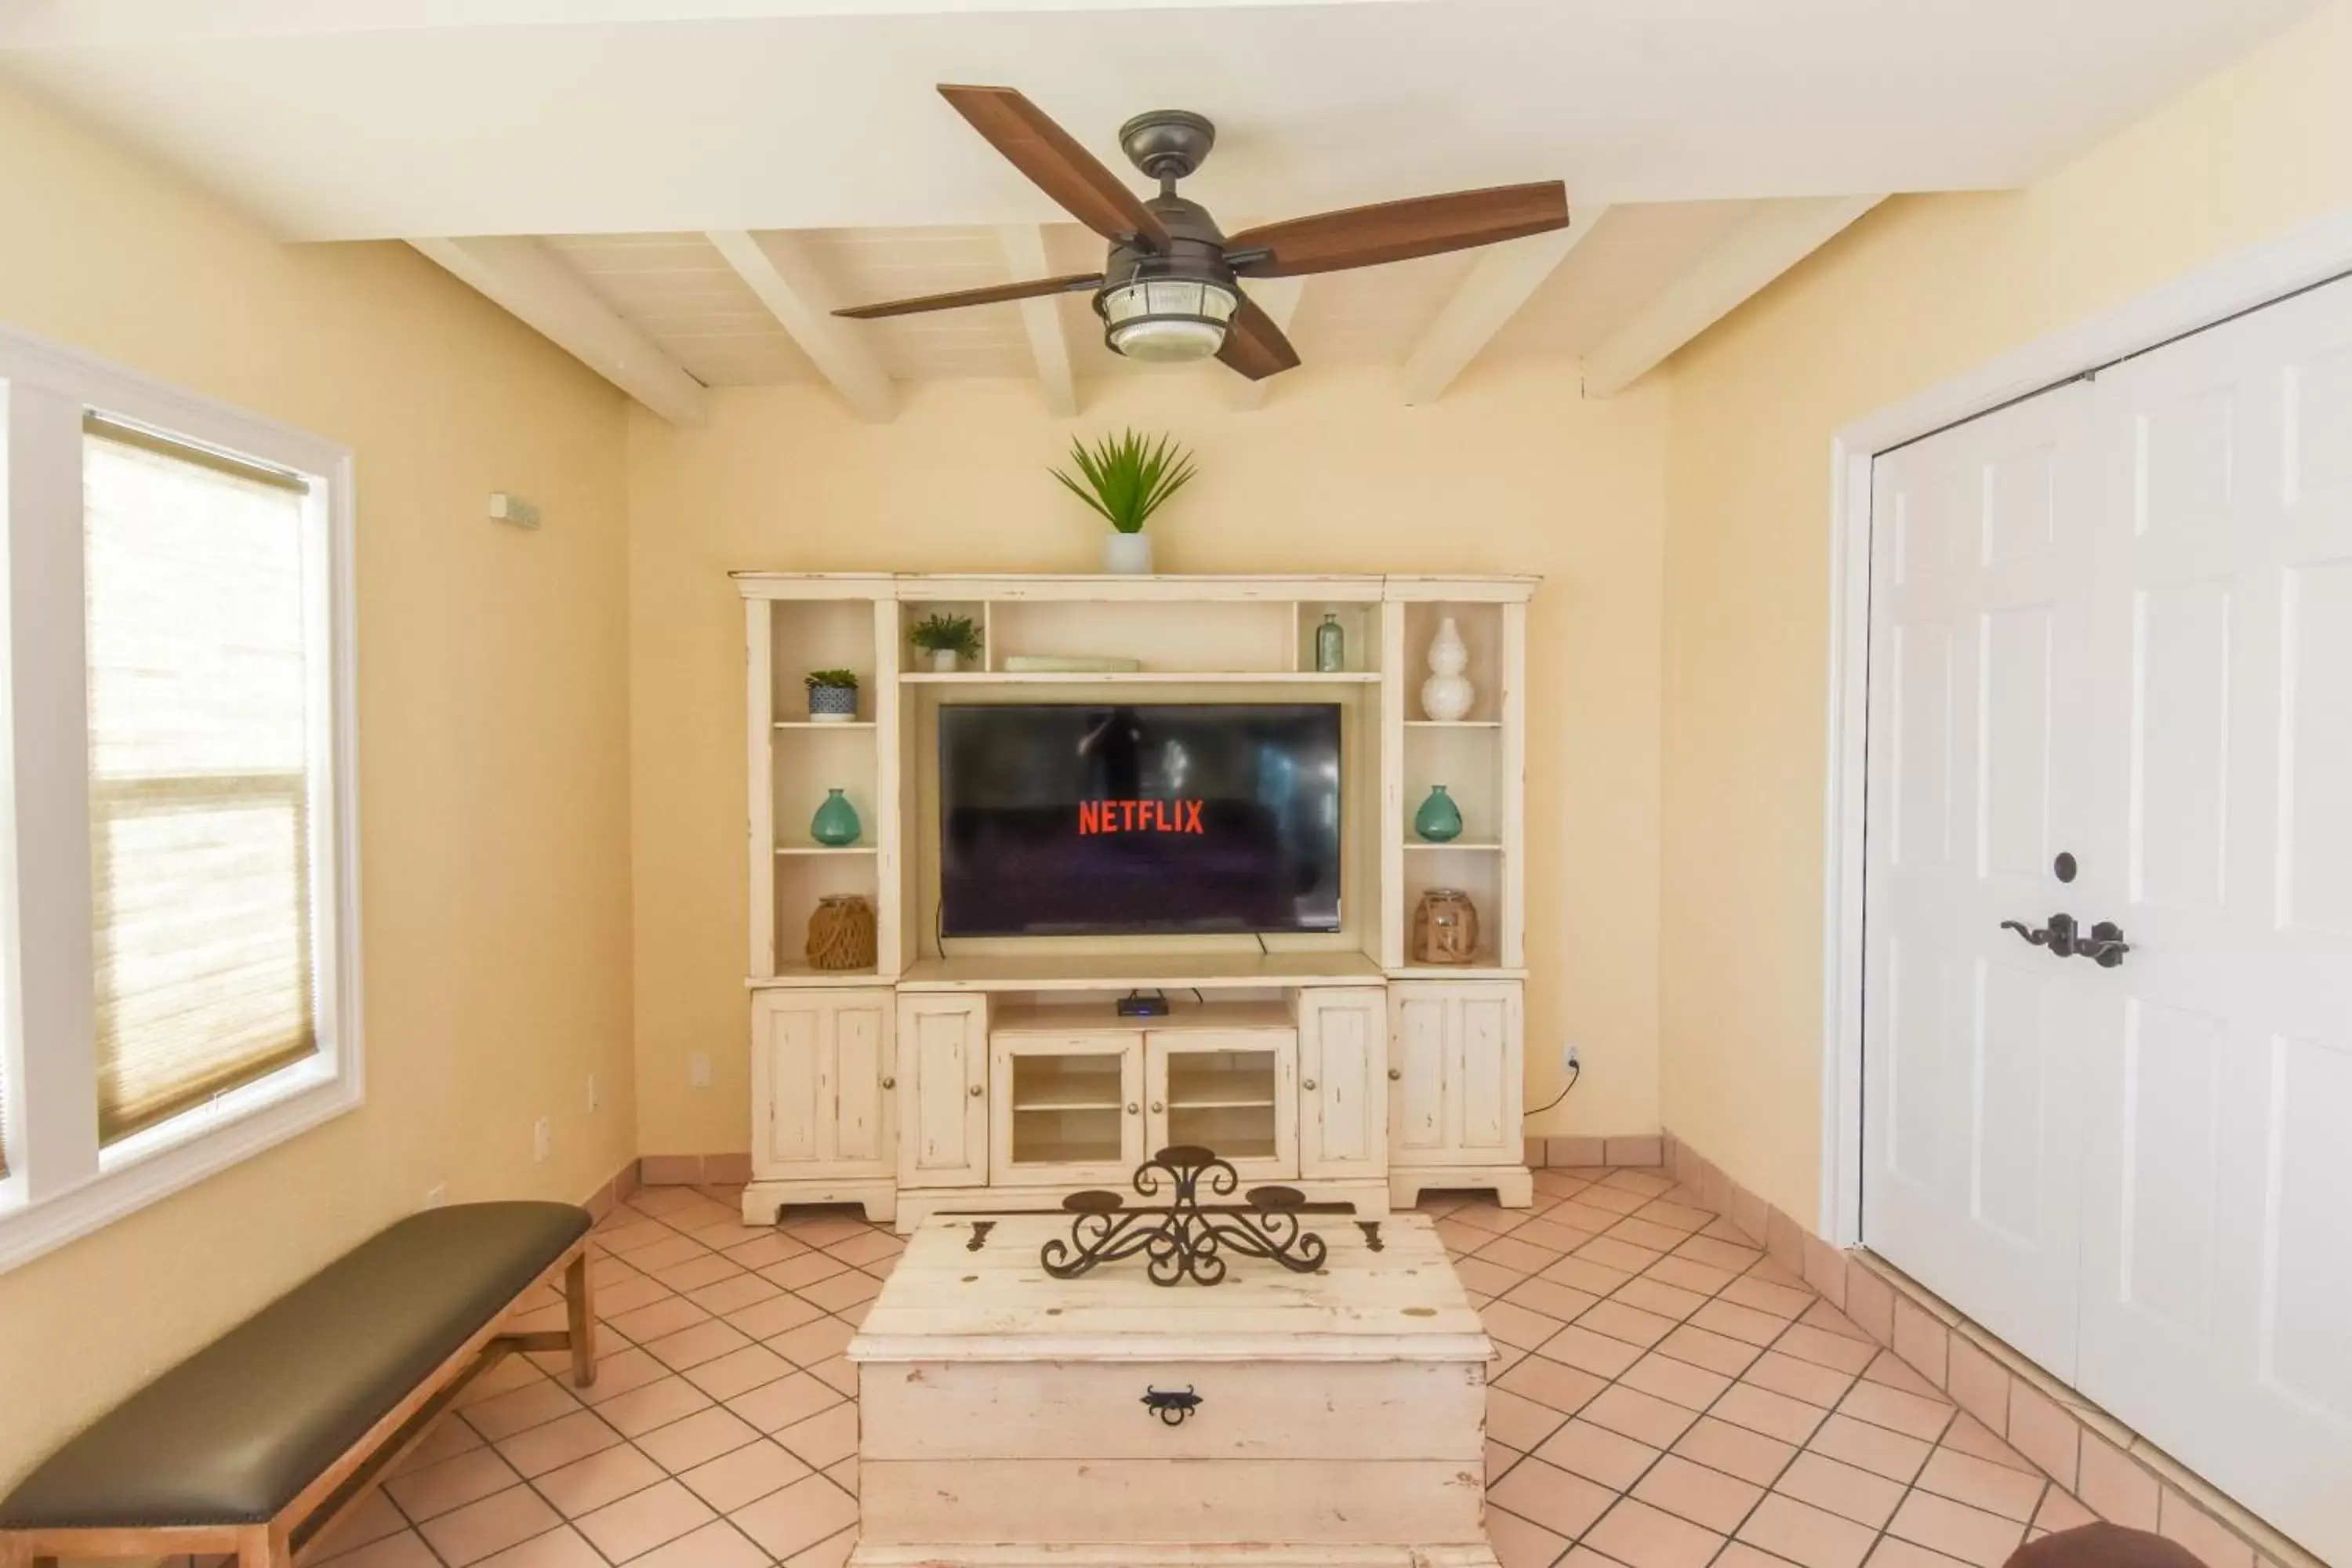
2301	258
61	1184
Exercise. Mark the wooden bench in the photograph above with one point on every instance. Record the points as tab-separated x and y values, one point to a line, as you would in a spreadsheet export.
257	1443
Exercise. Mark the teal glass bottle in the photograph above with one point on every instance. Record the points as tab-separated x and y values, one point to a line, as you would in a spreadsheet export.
1439	820
1330	647
835	825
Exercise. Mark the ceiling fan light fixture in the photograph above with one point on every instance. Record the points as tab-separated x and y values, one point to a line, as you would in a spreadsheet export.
1167	320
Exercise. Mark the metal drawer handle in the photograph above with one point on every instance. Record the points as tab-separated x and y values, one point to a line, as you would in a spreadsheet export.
1172	1407
1308	1086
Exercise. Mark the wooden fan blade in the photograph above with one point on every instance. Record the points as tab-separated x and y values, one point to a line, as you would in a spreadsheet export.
1056	165
1254	345
991	295
1398	231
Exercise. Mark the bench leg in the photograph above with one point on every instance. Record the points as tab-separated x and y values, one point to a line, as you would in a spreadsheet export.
580	1312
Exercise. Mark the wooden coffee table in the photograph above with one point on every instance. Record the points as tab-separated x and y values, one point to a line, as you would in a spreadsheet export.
1008	1419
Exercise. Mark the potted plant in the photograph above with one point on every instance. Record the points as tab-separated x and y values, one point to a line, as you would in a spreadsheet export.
832	696
1126	478
946	638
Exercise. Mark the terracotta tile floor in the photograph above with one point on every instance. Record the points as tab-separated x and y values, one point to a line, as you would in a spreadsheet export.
1666	1398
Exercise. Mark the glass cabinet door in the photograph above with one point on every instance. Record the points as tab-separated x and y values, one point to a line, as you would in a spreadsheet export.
1231	1092
1067	1110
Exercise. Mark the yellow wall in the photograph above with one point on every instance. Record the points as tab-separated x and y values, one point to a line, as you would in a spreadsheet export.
1918	292
1510	473
493	707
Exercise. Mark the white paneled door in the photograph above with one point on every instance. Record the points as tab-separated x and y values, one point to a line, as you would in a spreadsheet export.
1982	539
2139	1174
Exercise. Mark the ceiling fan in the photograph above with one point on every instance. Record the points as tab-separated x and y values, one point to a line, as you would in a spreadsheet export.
1169	290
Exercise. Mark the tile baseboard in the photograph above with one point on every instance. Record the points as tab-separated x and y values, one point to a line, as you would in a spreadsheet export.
616	1191
694	1169
2110	1470
1564	1153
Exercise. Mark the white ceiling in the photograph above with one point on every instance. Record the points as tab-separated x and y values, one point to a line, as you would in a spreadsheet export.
374	118
1724	138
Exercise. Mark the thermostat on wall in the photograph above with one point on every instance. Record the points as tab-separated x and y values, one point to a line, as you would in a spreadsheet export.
513	509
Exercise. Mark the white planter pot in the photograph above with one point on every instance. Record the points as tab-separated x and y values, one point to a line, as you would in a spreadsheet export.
943	660
1127	552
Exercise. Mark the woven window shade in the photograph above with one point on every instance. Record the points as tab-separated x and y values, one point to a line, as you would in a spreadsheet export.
199	746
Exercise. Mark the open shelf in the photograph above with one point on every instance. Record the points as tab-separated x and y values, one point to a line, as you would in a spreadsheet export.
1485	846
1141	678
1147	971
824	724
1453	723
826	850
799	973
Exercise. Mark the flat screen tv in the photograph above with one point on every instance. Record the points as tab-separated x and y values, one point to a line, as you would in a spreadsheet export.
1162	820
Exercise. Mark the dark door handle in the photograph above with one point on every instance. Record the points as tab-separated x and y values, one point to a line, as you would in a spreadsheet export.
2103	944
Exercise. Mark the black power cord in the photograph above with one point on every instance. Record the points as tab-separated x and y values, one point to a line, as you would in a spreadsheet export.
1573	1074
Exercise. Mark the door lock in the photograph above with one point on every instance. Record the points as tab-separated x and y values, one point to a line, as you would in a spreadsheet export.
2103	944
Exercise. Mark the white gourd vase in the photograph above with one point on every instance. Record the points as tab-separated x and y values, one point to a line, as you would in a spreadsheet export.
1128	554
1447	694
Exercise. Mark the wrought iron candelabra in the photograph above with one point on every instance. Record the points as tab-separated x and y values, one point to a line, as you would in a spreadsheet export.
1184	1238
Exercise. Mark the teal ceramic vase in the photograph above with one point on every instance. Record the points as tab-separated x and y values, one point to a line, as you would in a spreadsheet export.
835	825
1439	820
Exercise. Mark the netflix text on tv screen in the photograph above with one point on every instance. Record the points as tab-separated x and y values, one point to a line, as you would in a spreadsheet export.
1168	819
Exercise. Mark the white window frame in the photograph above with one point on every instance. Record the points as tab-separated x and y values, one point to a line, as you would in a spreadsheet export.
61	1184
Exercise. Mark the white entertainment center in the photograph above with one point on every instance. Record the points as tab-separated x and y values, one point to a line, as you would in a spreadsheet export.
976	1075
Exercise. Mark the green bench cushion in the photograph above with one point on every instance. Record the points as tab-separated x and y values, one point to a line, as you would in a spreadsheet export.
233	1434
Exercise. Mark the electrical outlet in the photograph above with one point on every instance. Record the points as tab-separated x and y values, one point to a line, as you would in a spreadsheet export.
437	1195
1570	1058
697	1070
594	1098
541	1136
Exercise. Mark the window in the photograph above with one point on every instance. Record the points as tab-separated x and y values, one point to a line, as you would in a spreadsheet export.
178	953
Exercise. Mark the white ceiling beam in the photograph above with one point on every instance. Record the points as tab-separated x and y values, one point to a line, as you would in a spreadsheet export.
1724	275
1506	276
779	269
533	284
1025	255
1278	298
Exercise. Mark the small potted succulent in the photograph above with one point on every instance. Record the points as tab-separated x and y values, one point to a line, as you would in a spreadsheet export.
1126	479
947	639
832	696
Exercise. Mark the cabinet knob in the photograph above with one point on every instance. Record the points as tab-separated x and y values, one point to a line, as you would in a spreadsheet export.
1396	1074
889	1083
1308	1086
1131	1108
978	1089
1157	1108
